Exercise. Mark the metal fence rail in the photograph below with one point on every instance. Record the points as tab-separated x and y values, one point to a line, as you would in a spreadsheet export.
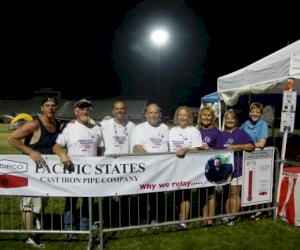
119	213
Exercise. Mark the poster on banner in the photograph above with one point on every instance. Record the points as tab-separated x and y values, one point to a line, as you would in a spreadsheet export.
110	176
257	176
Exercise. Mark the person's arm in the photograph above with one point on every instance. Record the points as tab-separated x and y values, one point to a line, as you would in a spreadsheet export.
182	151
261	143
16	137
204	146
64	158
246	147
139	149
263	135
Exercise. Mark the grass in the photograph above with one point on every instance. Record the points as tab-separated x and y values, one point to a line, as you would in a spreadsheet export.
247	234
5	147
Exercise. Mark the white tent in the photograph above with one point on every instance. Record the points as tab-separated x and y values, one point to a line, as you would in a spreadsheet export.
267	75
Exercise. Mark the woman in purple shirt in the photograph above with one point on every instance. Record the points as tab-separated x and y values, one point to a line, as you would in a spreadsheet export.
233	138
210	135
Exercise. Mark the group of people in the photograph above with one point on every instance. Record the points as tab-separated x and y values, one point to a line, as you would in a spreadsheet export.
117	135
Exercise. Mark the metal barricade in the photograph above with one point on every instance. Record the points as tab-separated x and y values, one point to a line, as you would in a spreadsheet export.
119	213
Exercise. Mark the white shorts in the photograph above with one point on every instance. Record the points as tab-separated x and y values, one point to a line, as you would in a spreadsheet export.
32	204
236	181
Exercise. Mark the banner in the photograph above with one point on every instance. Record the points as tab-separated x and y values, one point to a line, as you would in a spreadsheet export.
109	176
257	176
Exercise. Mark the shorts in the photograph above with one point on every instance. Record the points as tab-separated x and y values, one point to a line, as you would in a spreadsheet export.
236	181
32	204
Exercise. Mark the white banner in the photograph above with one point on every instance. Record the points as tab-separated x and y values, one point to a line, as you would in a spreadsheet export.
109	176
257	176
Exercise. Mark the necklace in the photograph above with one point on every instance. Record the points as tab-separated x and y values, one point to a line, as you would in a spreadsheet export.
124	132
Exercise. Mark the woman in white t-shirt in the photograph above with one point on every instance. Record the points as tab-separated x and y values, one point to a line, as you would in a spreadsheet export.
182	139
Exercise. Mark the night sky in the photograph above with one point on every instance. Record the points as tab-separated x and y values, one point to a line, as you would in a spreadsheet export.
82	48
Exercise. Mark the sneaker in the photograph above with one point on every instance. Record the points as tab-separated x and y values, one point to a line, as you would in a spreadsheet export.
31	241
72	237
225	220
181	227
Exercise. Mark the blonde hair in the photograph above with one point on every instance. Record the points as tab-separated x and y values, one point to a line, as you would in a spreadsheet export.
212	113
188	110
231	112
256	105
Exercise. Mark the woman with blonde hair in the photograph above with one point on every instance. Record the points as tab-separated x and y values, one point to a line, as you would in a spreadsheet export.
233	138
210	135
184	138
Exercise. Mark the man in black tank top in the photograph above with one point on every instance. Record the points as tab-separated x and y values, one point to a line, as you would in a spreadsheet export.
39	137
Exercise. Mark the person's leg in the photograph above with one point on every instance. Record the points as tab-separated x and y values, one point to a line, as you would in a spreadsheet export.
70	208
234	199
233	204
84	220
26	208
184	210
27	220
209	210
37	208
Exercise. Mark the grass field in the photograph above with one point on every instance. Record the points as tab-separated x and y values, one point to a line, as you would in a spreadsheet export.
263	234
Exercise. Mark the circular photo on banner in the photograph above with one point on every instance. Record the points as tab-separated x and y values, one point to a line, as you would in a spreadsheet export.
218	169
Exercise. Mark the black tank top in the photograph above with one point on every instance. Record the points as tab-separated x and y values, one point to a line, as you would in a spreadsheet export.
47	140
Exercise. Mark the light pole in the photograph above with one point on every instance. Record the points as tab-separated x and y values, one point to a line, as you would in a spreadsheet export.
159	37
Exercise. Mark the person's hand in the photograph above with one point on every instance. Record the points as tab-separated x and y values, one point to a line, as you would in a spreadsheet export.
38	159
68	164
181	152
205	146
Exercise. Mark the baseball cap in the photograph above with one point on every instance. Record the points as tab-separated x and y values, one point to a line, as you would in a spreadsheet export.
48	99
83	103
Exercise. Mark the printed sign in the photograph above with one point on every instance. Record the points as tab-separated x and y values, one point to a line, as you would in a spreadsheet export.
109	176
257	176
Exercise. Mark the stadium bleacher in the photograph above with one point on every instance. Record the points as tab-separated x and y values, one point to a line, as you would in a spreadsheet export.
65	111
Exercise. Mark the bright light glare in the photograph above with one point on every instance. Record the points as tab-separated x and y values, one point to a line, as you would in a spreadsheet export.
159	37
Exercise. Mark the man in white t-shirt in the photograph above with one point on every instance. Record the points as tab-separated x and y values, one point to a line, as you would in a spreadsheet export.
80	138
150	137
117	131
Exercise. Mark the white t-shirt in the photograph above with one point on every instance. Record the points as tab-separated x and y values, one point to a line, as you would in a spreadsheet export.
153	139
184	137
116	136
79	139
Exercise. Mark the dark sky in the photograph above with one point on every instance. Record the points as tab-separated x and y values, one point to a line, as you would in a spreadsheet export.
82	48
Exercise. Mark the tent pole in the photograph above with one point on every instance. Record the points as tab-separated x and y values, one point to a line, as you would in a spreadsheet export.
283	151
220	115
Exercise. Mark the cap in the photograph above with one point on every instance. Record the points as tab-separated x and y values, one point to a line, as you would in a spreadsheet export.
83	103
49	99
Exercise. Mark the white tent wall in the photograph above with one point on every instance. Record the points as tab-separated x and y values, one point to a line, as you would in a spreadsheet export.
268	75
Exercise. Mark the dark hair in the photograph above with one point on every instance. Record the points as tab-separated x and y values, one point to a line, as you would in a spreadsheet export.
49	99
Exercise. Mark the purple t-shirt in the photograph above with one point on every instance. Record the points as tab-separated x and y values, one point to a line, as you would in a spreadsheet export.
237	136
210	136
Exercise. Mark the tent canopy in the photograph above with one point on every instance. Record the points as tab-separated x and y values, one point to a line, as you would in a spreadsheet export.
267	75
210	98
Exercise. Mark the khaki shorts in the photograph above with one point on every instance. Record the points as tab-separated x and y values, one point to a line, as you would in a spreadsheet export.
32	204
236	181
